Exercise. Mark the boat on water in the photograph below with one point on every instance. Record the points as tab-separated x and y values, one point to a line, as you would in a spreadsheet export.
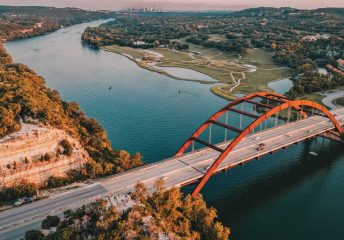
313	153
110	87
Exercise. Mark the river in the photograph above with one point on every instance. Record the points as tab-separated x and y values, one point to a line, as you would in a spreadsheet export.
288	195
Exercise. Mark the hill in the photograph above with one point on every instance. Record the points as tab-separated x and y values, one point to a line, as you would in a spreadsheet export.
334	11
263	11
21	22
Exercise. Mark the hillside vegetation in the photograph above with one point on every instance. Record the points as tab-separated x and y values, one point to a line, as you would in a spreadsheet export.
163	215
20	21
23	95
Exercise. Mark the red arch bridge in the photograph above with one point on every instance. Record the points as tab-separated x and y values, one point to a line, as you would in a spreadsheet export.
262	123
246	129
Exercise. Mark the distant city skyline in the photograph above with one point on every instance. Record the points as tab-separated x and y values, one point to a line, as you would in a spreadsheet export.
178	4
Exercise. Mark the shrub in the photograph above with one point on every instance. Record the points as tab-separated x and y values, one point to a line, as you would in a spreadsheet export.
54	182
50	221
34	235
67	147
17	191
47	157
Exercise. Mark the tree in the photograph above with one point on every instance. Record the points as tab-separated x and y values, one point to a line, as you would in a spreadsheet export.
140	194
177	216
94	169
47	157
136	160
34	235
21	189
219	232
108	168
156	44
50	221
67	147
54	182
159	186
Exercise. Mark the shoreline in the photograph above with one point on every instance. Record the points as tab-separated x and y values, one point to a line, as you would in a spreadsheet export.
50	31
235	83
216	90
149	68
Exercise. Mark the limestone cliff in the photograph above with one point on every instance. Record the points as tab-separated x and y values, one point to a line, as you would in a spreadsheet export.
34	153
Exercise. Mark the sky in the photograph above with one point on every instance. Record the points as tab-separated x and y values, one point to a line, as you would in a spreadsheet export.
178	4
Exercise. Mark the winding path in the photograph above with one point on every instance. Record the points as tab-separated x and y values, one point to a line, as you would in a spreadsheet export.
328	100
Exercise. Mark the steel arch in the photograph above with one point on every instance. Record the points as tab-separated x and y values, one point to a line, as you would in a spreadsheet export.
285	104
214	117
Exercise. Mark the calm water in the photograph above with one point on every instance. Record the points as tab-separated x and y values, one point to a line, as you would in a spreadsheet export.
289	195
281	86
185	73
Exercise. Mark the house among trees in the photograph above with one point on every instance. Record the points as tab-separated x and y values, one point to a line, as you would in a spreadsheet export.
139	43
313	38
341	64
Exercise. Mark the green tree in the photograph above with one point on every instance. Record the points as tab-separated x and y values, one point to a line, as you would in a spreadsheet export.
34	235
50	221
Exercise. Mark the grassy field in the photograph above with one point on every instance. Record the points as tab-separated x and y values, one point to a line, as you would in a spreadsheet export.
173	56
135	53
267	71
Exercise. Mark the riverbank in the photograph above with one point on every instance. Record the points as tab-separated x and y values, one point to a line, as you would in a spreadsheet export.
248	73
147	60
22	22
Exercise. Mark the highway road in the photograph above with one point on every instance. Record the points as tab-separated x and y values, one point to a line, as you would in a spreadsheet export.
175	171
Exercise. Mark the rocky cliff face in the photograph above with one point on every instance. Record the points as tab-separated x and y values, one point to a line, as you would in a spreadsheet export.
34	153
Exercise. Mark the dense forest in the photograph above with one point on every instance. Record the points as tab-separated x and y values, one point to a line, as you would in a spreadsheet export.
24	95
21	22
163	215
283	31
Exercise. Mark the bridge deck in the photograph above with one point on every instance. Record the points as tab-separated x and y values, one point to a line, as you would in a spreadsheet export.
175	171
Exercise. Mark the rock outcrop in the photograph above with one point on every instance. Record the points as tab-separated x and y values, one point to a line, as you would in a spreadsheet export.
34	153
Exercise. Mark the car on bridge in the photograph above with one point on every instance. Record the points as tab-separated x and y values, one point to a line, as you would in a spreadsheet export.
261	147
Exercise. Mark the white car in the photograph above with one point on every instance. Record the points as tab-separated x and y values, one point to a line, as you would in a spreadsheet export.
23	200
19	202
